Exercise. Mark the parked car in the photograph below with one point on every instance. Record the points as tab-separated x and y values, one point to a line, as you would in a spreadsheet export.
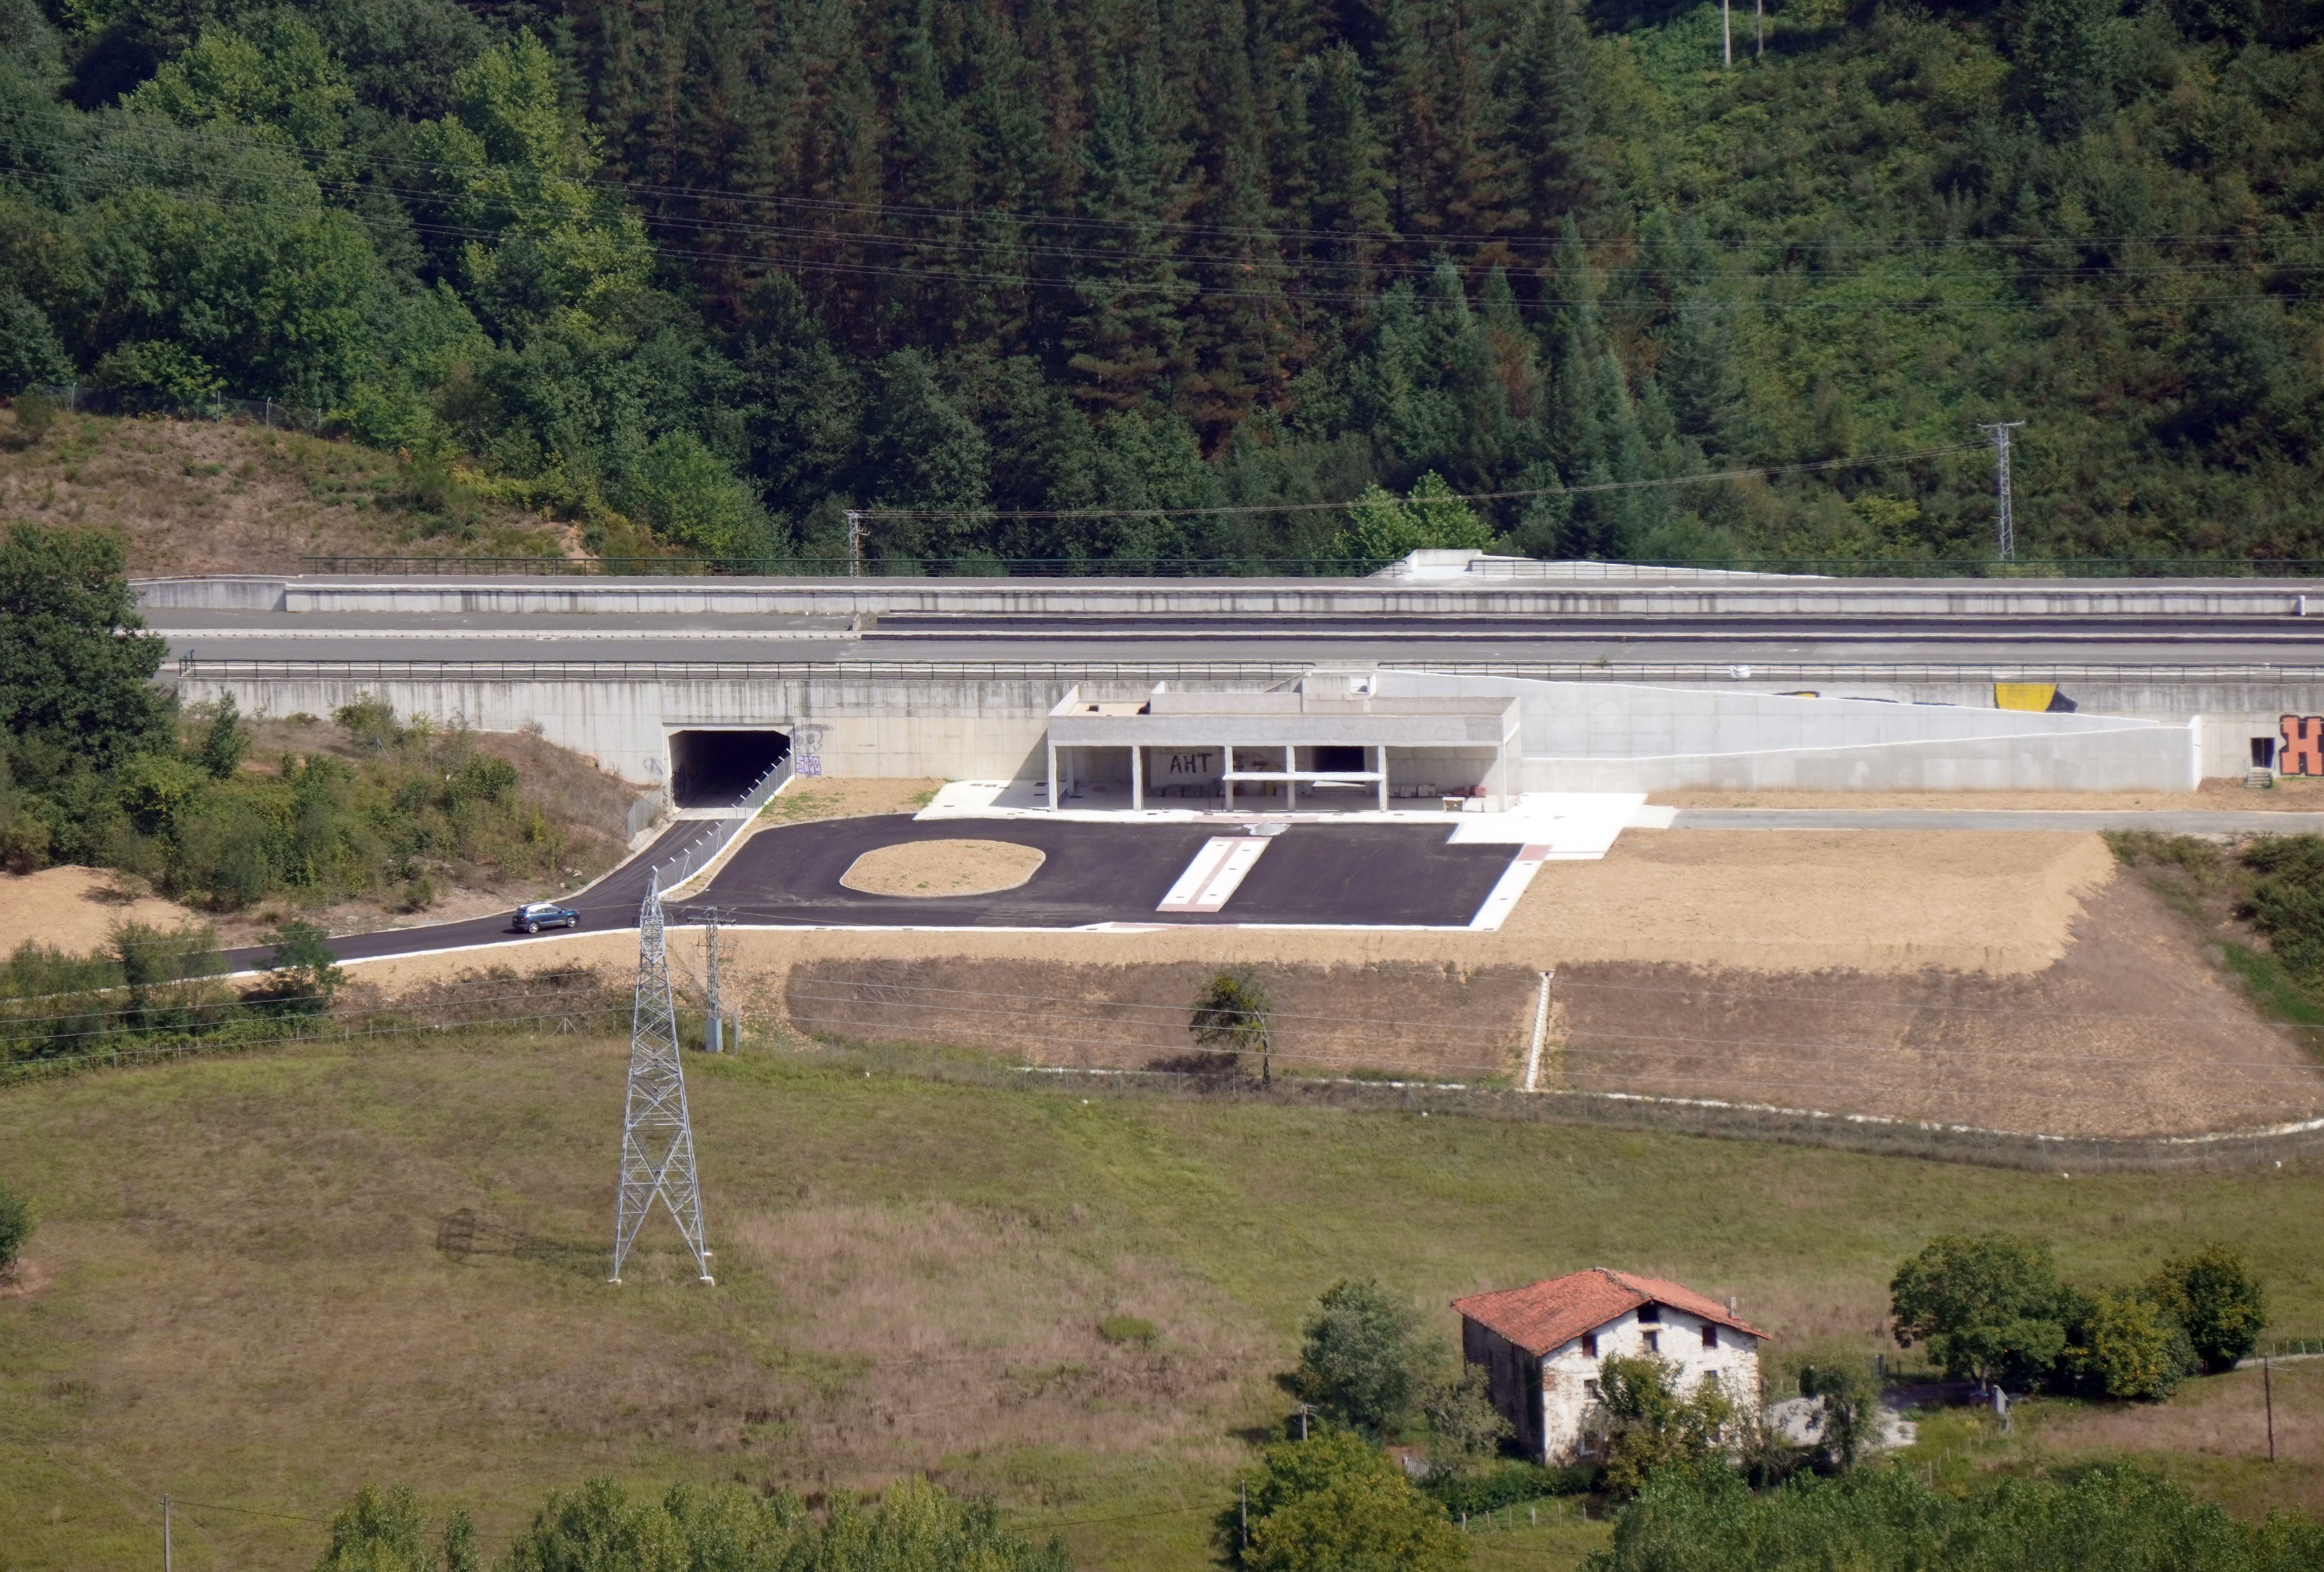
541	914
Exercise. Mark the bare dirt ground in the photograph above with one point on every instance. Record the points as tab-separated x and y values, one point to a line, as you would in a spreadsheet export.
923	869
1438	1022
75	909
204	497
2290	794
2133	1032
2005	981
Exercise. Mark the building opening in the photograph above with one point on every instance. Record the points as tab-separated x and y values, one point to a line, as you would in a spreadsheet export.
709	768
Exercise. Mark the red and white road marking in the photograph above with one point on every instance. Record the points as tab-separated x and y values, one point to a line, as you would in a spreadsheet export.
1215	875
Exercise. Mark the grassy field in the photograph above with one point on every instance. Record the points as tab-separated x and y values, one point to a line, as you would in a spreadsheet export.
237	1294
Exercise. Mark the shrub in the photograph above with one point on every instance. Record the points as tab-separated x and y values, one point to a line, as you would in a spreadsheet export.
1358	1355
2120	1344
1851	1413
1335	1502
15	1226
1650	1424
156	374
1128	1329
1463	1425
2212	1294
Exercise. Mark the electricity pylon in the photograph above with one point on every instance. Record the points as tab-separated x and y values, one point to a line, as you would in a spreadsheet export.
657	1136
2004	528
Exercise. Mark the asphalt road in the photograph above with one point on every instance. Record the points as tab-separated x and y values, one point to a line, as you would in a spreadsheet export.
1354	874
612	901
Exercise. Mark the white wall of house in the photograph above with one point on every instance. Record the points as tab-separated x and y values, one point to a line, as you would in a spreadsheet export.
1553	1423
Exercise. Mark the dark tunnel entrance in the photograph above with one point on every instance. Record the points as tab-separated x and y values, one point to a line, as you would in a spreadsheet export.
708	769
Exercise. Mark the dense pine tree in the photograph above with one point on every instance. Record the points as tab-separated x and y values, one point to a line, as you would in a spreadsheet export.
715	270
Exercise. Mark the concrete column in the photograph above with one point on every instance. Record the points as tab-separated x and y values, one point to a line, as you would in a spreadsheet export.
1137	778
1380	763
1227	768
1290	788
1053	777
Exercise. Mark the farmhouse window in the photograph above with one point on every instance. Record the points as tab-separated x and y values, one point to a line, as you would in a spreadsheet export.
1653	1342
1710	1336
1649	1314
1589	1345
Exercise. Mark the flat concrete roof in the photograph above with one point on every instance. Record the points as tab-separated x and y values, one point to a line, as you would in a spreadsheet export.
1278	718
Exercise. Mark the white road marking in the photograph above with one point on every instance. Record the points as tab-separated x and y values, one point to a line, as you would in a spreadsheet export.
1215	874
1512	887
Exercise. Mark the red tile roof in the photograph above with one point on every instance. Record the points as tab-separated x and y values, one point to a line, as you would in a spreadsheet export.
1544	1315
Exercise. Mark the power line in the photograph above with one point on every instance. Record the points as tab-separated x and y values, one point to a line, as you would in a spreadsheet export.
1867	461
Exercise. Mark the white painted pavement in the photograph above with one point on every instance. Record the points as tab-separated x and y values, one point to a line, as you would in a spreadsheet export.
1215	874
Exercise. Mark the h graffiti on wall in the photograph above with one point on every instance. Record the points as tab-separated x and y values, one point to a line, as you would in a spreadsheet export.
2302	752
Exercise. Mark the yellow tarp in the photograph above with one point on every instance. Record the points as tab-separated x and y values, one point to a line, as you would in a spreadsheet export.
2023	695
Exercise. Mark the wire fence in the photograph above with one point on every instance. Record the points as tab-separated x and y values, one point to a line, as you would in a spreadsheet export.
1509	570
95	400
704	847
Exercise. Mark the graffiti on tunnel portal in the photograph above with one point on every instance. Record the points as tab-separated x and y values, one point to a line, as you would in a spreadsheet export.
2302	752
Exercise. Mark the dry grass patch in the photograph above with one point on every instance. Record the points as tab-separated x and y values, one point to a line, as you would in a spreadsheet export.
943	867
190	497
805	798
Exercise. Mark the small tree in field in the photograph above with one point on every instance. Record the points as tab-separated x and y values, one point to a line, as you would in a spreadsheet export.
15	1227
1357	1360
2214	1295
1232	1013
1988	1305
1851	1413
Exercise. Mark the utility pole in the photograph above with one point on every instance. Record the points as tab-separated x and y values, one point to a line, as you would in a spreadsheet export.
2267	1386
1759	20
2005	529
168	1564
657	1135
854	543
1725	35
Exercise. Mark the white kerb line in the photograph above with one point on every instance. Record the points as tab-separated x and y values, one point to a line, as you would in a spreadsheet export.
1540	1031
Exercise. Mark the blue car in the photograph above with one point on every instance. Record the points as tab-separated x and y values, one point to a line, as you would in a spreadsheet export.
541	914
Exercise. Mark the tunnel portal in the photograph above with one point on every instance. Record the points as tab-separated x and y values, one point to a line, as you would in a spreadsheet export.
708	768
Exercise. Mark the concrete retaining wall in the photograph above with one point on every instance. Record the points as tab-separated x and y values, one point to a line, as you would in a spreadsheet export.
2263	598
1627	736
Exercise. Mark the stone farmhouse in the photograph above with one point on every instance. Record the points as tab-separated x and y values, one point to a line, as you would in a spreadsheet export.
1540	1347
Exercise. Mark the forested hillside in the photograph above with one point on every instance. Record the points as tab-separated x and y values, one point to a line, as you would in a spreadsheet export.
705	274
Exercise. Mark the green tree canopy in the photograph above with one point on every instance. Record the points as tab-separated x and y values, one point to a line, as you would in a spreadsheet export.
1988	1306
1650	1423
1335	1503
2102	1520
75	688
2213	1294
1361	1354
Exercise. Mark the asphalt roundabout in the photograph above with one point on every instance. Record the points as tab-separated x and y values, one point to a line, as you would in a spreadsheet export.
1362	874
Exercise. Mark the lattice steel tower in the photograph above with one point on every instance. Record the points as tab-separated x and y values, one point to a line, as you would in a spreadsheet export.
657	1136
2005	526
